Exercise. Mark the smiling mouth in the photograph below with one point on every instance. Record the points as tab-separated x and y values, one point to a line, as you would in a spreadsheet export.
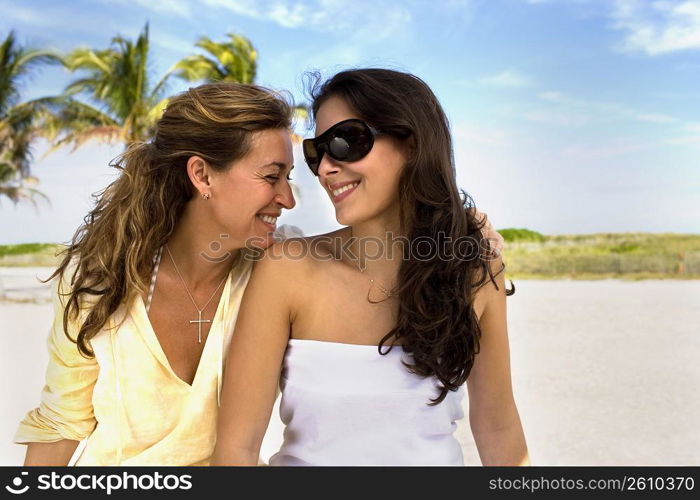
268	219
338	193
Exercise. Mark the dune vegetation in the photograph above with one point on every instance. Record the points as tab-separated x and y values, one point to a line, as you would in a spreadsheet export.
529	254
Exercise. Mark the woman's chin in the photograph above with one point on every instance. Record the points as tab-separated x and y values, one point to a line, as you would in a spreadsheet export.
347	219
260	241
344	218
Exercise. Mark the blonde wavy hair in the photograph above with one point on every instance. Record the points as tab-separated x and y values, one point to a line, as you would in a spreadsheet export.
111	253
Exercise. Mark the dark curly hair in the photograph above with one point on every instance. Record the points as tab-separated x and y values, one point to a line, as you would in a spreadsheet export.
436	322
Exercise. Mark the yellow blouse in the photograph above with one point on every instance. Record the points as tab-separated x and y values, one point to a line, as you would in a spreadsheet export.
127	401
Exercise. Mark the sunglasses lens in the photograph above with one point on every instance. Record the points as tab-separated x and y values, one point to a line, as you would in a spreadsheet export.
339	148
311	155
351	141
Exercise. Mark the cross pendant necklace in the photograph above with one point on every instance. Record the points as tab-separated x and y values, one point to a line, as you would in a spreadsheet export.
199	319
199	322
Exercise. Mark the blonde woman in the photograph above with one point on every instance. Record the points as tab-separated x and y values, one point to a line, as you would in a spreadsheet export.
147	293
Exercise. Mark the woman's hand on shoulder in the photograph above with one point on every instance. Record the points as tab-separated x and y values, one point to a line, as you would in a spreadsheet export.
495	239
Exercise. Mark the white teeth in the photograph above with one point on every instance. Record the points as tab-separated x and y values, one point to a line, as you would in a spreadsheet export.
269	219
348	187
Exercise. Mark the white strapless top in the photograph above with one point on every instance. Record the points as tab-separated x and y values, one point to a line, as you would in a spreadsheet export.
345	404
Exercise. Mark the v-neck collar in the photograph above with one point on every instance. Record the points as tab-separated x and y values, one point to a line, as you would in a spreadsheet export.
148	334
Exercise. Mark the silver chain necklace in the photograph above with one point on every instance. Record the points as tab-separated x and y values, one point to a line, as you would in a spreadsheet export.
199	319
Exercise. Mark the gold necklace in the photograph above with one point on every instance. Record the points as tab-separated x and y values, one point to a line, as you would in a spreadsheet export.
199	319
386	292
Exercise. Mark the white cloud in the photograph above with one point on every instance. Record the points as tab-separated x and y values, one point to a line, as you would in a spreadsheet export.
479	134
574	108
689	135
357	19
459	4
653	27
561	118
179	8
507	78
180	44
289	16
658	27
23	14
248	8
655	118
613	148
690	140
553	96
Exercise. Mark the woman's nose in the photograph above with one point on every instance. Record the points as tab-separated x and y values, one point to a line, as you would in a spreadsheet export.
286	195
328	166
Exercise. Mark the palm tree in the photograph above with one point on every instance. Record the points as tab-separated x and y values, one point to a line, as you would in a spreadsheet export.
234	60
118	102
121	105
18	120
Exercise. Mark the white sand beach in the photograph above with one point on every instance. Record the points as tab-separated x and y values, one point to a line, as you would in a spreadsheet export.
604	372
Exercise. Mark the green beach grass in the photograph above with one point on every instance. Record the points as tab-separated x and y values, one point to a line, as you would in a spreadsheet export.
527	255
30	255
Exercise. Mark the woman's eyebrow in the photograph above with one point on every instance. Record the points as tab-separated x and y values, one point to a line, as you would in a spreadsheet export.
279	164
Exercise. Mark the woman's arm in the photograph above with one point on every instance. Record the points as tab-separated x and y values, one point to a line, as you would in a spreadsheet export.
254	362
65	415
54	454
493	415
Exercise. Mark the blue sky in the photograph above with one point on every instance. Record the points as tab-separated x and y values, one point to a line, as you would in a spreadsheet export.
568	116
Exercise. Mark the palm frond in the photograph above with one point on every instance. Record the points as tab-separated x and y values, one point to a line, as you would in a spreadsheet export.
66	121
16	188
17	119
156	111
198	68
17	194
16	64
111	100
234	60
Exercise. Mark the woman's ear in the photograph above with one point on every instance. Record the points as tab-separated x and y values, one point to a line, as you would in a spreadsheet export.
409	145
200	175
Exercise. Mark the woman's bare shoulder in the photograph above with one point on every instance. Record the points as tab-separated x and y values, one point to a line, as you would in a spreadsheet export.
302	252
489	287
288	269
486	282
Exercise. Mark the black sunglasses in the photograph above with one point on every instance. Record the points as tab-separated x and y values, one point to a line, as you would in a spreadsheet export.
349	140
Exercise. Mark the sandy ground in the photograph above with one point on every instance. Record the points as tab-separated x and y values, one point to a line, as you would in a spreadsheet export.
604	372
